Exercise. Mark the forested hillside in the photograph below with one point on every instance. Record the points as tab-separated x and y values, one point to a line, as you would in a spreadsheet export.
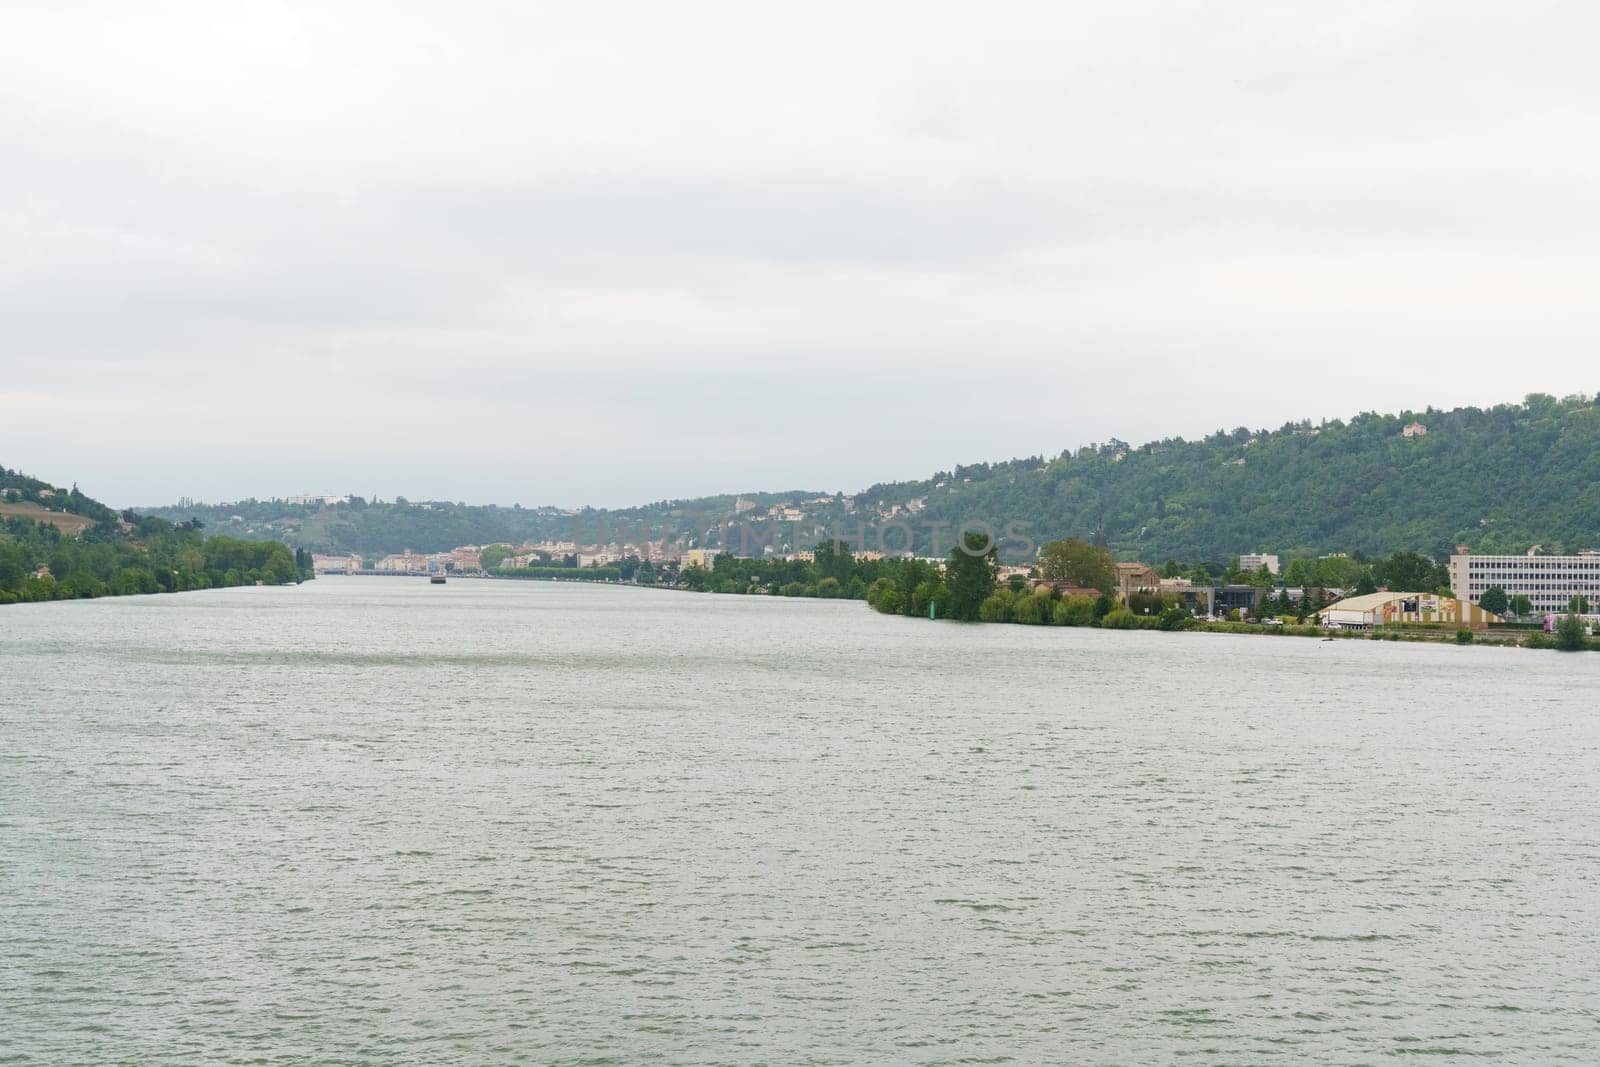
45	557
1499	479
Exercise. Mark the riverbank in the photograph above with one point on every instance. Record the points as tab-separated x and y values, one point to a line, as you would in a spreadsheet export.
1080	612
38	565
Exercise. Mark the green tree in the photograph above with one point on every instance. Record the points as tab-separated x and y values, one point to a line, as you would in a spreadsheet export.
1078	562
1120	619
1143	603
1032	609
1073	611
1175	618
1570	633
833	559
1340	572
13	566
1578	604
970	575
996	607
930	594
1494	600
1521	606
83	585
1408	572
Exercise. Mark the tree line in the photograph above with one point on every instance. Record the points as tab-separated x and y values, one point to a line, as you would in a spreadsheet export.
38	562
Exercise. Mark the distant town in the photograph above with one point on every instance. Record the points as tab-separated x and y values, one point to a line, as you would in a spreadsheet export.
1480	591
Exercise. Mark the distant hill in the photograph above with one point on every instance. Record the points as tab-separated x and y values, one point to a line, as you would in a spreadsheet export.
58	544
372	528
1500	479
375	527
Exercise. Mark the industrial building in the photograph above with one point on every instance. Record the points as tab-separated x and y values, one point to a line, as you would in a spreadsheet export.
1385	609
1550	582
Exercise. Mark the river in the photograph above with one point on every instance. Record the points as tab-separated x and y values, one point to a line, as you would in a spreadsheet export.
371	820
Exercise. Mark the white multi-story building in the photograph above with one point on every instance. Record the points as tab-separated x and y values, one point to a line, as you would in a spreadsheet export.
1254	561
1550	582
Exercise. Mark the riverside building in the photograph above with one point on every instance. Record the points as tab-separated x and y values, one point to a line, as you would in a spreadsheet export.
1550	582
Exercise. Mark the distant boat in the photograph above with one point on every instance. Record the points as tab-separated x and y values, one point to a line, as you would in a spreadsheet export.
436	579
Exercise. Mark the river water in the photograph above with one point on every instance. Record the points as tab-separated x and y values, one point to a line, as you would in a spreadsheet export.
372	820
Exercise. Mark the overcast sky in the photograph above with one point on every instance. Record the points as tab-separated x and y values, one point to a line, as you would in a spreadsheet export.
609	253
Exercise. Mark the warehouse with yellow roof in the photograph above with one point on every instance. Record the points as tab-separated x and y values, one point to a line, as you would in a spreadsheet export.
1386	609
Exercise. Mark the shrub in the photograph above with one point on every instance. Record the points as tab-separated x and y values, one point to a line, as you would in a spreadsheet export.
82	585
877	589
795	589
1148	603
1174	618
888	601
1073	611
1463	636
1031	610
996	608
134	580
1120	619
828	587
1570	633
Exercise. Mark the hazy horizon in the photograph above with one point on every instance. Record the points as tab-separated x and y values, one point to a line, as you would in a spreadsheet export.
577	256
